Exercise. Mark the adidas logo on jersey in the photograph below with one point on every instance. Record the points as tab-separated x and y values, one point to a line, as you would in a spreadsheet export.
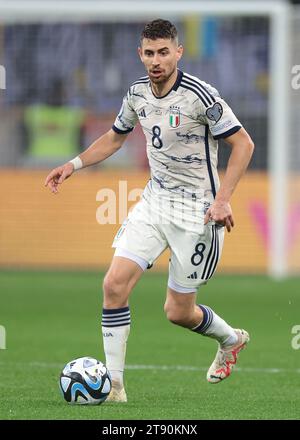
193	276
142	114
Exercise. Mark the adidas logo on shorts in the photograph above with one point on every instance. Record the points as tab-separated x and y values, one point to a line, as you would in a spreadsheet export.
193	276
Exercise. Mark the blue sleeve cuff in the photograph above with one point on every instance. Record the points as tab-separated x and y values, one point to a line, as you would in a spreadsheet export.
228	132
117	130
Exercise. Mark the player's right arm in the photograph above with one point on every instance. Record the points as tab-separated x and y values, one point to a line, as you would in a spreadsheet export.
98	151
102	148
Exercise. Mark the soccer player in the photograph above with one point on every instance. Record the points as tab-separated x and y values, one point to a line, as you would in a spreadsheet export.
183	207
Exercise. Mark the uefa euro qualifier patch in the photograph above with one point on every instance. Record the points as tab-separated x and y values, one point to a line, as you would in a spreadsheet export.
215	112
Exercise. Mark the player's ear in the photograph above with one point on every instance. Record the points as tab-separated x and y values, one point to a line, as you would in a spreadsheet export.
179	52
140	52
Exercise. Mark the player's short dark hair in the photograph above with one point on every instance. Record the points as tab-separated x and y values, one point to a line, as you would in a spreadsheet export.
159	29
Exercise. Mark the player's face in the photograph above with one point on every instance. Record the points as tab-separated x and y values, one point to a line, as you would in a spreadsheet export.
160	58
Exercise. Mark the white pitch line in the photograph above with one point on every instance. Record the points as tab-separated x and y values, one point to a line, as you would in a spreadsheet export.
160	367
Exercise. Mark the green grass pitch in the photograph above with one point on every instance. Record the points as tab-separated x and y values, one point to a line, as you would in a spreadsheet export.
51	318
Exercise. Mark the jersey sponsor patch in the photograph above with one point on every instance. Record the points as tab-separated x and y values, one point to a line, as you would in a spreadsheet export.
215	112
174	116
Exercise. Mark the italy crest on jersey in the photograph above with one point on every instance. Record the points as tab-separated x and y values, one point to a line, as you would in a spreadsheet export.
174	113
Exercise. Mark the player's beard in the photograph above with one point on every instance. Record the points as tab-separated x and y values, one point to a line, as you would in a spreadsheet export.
163	78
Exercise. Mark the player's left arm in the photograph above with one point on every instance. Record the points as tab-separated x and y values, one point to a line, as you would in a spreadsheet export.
242	148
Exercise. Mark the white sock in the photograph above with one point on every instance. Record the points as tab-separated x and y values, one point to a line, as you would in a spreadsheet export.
115	331
215	327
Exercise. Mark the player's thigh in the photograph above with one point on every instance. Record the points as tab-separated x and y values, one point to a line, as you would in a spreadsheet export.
194	257
140	235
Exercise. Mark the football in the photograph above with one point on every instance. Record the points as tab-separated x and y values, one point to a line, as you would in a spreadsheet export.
85	381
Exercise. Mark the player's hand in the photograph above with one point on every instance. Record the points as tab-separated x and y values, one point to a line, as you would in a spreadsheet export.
220	212
58	175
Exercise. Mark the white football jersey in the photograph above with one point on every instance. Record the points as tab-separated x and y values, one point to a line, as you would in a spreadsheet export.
182	130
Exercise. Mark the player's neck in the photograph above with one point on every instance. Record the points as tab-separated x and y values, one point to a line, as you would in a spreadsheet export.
163	89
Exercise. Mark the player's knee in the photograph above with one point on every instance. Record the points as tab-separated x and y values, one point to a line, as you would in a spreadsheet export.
176	316
114	289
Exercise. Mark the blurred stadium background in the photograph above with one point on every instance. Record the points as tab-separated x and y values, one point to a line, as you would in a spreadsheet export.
66	74
65	67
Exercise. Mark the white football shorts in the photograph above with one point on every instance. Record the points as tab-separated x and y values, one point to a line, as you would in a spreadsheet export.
156	224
